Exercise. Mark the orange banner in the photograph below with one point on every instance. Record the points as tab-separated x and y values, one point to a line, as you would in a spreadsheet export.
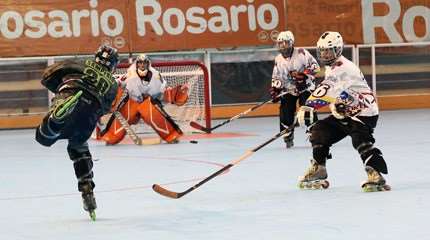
60	27
64	27
365	21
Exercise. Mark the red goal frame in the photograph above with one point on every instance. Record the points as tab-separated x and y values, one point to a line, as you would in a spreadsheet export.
207	107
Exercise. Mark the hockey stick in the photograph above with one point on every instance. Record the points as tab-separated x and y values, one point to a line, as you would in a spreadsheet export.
123	100
209	130
175	195
136	139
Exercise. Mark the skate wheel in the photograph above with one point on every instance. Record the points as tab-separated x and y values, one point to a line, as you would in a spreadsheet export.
371	188
301	185
93	215
325	184
375	188
317	185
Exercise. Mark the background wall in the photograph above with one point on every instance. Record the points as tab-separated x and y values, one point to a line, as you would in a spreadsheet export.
32	30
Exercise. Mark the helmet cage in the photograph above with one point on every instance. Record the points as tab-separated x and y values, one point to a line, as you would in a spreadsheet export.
142	65
285	47
328	56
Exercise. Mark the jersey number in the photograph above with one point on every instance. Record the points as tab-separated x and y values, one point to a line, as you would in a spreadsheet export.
321	91
100	78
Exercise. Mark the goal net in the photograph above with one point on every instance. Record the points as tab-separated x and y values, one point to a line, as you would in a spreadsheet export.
195	75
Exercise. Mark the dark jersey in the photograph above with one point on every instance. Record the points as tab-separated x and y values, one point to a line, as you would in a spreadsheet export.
89	76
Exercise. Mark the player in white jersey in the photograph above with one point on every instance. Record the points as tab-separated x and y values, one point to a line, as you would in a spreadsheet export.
145	89
142	80
294	72
354	113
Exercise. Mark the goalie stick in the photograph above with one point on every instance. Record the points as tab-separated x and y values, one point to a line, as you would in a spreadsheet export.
136	139
209	130
175	195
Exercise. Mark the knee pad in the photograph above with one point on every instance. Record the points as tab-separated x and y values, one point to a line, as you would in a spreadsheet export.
82	163
321	153
47	133
372	157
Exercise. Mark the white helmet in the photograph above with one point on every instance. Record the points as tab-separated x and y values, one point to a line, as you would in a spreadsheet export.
285	43
329	47
142	64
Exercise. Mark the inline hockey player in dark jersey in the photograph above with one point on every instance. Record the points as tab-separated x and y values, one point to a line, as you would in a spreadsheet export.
84	91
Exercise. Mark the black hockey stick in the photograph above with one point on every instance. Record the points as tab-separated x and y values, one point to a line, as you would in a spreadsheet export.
209	130
123	100
171	194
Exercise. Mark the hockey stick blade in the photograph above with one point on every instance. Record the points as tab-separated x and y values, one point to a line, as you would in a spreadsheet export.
151	141
164	192
175	195
200	127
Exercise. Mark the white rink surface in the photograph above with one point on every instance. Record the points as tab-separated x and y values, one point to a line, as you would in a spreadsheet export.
257	199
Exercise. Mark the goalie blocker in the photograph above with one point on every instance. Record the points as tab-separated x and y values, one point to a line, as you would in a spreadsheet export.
151	112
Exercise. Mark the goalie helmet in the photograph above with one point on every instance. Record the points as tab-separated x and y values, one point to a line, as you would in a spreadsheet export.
329	47
107	56
142	65
285	43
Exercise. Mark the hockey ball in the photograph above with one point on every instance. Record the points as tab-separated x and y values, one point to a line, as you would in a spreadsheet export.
194	141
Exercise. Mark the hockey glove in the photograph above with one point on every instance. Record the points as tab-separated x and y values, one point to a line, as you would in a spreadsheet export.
299	80
338	110
275	90
346	105
342	111
306	116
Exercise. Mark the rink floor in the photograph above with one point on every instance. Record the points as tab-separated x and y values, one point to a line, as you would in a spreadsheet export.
257	199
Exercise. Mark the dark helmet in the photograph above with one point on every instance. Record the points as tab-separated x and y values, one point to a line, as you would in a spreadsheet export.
107	56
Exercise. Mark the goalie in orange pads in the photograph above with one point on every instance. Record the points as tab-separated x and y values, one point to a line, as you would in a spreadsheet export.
139	98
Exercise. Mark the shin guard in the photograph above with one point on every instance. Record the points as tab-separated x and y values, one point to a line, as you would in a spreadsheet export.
372	156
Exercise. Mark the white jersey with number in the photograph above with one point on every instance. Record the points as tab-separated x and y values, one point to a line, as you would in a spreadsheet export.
300	61
344	80
138	88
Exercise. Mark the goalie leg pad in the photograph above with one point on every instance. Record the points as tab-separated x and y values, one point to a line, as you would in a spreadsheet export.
154	115
116	131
